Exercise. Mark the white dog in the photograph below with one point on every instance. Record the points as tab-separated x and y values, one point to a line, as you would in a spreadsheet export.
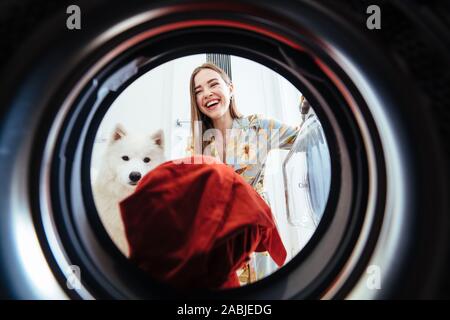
127	158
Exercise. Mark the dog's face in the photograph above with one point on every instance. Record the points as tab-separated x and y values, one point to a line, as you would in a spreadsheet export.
132	156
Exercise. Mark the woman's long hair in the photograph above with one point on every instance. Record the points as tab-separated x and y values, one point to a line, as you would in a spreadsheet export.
197	115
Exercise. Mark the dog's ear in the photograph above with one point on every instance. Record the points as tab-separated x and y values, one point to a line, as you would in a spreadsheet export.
118	133
158	137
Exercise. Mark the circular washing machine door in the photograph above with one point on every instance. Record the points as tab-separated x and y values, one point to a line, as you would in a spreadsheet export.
379	96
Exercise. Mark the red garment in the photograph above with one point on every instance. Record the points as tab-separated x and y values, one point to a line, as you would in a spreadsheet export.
194	225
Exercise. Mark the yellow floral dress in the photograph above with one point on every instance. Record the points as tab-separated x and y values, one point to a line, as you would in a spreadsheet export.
248	143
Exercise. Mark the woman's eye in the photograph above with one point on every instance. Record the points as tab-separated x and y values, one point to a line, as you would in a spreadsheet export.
146	159
125	158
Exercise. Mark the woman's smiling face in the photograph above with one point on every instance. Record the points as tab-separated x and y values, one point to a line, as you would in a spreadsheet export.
212	93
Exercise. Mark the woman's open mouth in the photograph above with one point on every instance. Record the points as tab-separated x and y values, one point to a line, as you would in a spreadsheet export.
211	105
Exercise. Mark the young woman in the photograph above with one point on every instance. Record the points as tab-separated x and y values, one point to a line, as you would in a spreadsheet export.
219	130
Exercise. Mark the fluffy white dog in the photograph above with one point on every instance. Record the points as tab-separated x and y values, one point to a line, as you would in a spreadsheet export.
127	158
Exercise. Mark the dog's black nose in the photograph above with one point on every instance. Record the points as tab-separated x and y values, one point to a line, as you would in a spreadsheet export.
135	176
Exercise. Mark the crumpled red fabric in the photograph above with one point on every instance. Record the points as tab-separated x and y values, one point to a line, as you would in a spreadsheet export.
193	225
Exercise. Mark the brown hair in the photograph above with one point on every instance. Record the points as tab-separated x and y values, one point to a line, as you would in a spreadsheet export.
196	114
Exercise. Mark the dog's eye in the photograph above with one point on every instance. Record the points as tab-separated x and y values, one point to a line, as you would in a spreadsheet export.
125	158
146	159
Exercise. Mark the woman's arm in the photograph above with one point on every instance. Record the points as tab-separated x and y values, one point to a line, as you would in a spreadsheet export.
279	135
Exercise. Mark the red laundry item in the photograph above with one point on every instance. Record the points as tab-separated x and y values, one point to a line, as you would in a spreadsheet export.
193	225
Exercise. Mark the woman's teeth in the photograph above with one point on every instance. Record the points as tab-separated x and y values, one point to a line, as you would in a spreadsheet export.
212	104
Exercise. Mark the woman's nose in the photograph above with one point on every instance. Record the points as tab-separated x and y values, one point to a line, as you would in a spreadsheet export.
206	95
